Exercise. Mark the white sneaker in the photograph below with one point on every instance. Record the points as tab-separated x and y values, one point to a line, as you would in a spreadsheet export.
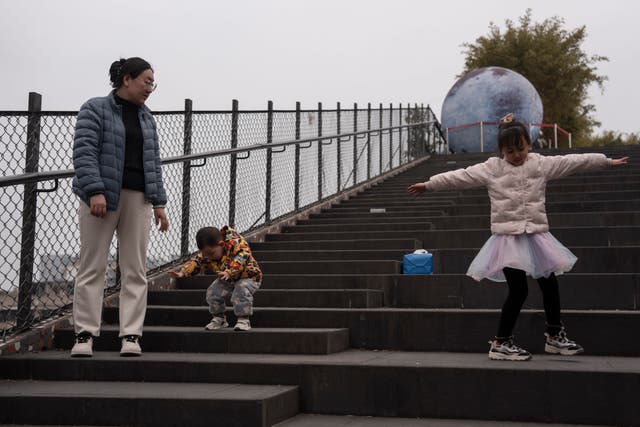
507	351
243	325
130	346
560	344
83	346
216	323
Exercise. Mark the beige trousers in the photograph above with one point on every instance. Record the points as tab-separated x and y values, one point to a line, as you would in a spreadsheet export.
132	224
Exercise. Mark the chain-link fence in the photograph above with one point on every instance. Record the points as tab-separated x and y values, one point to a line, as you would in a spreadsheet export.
243	168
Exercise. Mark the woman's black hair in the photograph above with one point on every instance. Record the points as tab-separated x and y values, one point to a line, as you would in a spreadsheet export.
208	237
511	134
132	66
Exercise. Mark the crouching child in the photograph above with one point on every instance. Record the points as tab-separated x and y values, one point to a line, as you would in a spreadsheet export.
227	254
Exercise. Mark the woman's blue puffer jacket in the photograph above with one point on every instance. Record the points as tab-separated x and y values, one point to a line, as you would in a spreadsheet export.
98	153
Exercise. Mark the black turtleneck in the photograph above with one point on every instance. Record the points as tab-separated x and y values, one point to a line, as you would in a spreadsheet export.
133	177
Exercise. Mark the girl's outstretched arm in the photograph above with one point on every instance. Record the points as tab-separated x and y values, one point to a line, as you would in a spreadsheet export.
471	177
560	166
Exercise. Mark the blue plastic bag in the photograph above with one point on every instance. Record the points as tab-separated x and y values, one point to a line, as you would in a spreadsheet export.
419	262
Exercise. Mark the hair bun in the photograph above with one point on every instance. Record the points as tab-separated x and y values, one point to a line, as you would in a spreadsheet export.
114	70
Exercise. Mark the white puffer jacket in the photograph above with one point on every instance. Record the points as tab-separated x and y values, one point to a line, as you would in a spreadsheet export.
517	193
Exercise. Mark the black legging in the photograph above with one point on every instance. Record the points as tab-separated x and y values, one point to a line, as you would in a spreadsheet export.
518	290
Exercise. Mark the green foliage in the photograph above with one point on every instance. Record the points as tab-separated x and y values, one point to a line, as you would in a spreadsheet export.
552	59
610	137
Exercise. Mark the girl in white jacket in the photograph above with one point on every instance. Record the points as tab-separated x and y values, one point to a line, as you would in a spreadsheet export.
520	244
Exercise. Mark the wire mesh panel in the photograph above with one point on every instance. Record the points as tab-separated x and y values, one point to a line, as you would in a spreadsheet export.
245	188
329	153
56	141
374	144
13	137
346	149
283	164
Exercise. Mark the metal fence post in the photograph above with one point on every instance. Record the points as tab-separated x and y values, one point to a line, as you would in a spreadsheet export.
369	141
319	151
400	134
390	136
267	189
29	213
233	168
419	115
355	143
380	137
297	161
339	147
186	177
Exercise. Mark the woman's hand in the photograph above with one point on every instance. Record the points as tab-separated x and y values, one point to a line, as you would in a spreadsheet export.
618	162
160	217
176	274
98	205
223	275
417	189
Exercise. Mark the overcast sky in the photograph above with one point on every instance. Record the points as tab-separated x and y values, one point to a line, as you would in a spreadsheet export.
289	50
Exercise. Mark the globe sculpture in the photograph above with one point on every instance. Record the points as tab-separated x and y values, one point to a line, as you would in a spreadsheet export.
486	95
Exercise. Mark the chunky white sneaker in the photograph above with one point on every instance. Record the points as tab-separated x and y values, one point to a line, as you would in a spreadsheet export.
83	346
242	325
507	350
130	346
217	323
560	344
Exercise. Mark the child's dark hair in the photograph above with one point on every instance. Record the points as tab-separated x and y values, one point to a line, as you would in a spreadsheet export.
511	134
207	237
132	66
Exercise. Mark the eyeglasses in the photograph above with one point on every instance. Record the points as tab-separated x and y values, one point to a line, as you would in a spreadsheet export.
151	84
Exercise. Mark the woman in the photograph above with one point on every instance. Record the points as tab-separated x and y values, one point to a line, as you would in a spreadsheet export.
118	179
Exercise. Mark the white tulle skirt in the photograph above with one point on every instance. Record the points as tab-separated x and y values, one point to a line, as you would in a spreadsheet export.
538	254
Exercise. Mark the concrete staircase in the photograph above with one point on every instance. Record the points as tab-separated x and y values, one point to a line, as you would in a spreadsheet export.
342	337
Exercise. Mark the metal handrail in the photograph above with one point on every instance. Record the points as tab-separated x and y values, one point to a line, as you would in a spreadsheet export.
7	181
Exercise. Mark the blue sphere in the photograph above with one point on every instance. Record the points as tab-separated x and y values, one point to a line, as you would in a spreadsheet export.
486	95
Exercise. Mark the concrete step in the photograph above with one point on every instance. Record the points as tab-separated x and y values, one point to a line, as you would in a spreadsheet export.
178	338
316	420
406	200
603	177
448	239
606	259
573	219
331	267
553	187
590	260
578	292
453	208
601	332
345	244
327	255
386	383
145	404
338	298
422	174
381	282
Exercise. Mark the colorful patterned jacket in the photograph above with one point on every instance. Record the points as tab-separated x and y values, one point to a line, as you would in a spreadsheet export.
236	260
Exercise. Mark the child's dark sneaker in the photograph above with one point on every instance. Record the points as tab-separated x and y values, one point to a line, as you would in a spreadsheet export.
216	323
560	344
243	324
507	350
